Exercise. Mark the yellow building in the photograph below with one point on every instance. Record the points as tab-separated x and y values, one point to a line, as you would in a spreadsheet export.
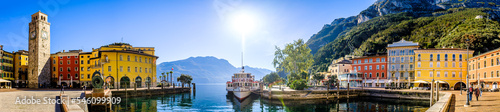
54	70
447	66
7	66
85	72
20	68
121	62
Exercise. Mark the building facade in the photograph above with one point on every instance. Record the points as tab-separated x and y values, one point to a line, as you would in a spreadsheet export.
372	68
7	65
485	69
39	51
20	68
66	68
341	67
401	63
122	65
85	72
447	66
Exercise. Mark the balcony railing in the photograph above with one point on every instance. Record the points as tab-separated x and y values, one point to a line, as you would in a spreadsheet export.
96	66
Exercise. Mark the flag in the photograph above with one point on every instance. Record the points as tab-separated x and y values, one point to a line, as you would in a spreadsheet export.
172	68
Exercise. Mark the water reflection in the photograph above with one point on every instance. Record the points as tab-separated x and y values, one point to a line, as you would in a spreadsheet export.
245	105
211	98
182	101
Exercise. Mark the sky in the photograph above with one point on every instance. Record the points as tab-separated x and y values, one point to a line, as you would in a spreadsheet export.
178	29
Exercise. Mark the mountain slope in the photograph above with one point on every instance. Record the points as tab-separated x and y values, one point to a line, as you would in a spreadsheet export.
417	8
449	29
207	69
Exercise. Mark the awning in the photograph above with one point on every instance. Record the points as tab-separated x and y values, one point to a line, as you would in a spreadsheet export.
3	80
421	81
368	81
441	82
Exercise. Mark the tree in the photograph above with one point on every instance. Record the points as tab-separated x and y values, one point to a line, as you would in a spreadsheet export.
332	79
317	77
162	74
184	79
295	58
271	77
171	75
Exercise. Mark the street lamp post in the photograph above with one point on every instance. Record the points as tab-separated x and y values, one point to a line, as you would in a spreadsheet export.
432	88
467	104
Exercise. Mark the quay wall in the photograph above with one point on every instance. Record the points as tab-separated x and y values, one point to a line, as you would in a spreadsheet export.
150	92
342	94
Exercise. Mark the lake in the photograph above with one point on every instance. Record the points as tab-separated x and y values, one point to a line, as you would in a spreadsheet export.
213	97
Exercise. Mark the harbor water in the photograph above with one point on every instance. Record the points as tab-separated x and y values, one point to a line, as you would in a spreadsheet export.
214	97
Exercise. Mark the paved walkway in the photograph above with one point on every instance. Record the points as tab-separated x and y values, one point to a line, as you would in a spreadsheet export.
488	102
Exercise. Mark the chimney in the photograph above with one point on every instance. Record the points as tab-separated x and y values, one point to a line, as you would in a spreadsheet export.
1	47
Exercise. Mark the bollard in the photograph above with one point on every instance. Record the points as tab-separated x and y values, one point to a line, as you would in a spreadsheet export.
432	92
437	91
338	89
327	90
194	86
348	90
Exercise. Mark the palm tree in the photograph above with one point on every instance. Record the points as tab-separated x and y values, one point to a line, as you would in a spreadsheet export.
171	74
167	78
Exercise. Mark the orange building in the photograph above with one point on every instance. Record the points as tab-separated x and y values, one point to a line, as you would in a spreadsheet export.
485	68
373	69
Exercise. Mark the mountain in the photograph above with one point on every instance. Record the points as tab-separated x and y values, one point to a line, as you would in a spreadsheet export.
417	8
207	69
432	23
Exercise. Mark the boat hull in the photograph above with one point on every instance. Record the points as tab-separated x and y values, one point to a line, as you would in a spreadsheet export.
241	95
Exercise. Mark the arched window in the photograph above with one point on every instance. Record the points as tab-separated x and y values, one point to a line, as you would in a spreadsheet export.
377	74
460	57
419	57
438	57
491	74
491	62
383	74
498	61
430	57
445	57
453	57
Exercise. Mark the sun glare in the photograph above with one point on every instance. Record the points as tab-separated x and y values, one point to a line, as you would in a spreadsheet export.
243	22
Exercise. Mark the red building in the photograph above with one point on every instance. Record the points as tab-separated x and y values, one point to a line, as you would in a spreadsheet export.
65	68
373	68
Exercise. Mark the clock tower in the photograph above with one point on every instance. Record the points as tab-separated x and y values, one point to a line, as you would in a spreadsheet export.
39	51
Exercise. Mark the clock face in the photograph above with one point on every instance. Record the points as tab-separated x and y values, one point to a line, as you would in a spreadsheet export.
33	34
44	35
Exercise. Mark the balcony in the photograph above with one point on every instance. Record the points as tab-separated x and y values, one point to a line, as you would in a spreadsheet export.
96	66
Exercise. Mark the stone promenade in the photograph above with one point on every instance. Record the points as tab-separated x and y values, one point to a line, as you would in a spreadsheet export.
8	99
488	102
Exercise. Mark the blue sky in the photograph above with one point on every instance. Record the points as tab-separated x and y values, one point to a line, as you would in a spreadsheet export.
178	29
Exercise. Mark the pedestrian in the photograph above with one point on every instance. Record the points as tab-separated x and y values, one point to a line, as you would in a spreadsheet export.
480	90
477	91
470	93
